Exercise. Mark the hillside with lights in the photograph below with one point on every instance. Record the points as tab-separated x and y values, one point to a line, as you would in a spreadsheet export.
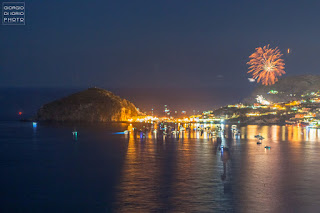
287	89
292	100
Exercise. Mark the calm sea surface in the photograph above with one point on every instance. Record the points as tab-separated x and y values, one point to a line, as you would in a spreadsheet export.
46	169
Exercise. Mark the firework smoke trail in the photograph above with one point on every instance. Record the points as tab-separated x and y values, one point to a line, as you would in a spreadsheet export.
266	65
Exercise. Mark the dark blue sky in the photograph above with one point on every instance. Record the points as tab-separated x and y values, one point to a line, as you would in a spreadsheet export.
151	43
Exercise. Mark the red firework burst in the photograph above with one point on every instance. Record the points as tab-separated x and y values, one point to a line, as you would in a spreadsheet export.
266	65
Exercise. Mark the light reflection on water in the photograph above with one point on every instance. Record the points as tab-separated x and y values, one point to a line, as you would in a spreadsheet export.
189	173
47	170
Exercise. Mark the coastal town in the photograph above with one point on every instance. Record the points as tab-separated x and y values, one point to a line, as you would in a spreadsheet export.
302	111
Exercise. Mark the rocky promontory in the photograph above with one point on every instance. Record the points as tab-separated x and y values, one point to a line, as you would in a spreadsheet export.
91	105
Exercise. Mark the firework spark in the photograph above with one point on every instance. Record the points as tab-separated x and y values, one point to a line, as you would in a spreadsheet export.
266	65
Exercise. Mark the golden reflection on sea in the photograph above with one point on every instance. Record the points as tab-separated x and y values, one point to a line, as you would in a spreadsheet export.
189	172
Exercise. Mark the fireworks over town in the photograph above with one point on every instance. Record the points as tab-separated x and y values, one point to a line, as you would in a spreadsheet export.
159	106
266	65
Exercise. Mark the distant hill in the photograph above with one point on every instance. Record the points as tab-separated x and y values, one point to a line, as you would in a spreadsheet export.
90	105
287	89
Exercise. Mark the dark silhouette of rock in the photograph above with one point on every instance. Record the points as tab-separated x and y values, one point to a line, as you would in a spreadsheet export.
91	105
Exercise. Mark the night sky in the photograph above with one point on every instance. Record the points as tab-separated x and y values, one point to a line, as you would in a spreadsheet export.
153	44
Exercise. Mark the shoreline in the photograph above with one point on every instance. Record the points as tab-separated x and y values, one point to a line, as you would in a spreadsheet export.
183	122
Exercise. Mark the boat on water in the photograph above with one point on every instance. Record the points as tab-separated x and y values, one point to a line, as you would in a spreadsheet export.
259	142
303	124
260	137
267	147
223	148
290	122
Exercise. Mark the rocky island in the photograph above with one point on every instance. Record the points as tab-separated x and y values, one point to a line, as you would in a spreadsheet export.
91	105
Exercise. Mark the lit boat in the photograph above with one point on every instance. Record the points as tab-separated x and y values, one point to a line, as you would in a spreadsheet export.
267	147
